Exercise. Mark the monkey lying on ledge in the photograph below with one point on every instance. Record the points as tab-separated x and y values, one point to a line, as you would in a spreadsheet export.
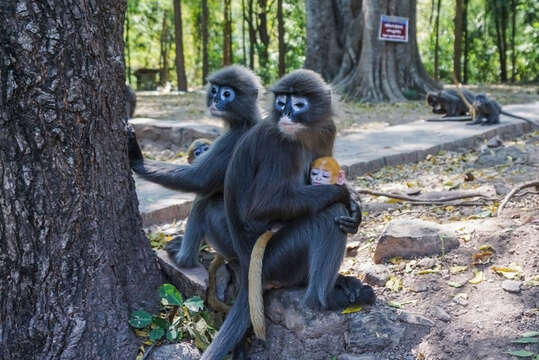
449	103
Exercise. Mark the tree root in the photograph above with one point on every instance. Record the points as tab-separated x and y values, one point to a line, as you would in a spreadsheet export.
420	201
514	191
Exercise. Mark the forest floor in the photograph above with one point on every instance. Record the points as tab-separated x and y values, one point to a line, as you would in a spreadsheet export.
480	319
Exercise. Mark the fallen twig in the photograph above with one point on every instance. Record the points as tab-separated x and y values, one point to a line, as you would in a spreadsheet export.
425	201
514	191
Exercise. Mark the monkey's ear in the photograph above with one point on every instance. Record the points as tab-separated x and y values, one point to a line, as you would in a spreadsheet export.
340	177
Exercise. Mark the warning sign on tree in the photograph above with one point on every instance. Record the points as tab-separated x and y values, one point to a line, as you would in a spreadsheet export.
393	28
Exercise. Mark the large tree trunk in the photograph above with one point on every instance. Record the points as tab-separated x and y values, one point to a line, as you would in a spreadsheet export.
73	258
457	45
178	38
204	29
343	45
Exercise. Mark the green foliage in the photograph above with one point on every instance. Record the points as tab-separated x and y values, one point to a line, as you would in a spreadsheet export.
530	337
176	320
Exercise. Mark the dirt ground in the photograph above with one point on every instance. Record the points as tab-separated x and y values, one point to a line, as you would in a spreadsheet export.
479	318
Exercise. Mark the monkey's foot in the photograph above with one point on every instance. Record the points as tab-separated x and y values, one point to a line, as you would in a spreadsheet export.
350	291
173	248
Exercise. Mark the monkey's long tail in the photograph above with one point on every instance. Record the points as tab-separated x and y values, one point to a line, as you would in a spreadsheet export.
233	329
256	298
520	117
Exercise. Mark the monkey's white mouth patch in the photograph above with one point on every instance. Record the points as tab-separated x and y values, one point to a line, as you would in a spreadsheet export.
288	127
216	112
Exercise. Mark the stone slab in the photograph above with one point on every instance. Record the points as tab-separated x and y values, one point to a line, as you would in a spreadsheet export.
159	205
190	282
173	135
367	150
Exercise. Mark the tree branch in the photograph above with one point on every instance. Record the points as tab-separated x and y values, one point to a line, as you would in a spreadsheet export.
425	201
514	191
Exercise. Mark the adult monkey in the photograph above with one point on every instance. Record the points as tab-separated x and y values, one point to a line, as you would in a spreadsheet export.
232	96
266	183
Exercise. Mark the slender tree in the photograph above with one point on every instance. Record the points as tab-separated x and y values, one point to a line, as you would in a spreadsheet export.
457	44
500	13
343	45
466	42
437	40
164	51
73	258
178	39
280	31
263	35
227	33
243	44
204	30
252	33
513	34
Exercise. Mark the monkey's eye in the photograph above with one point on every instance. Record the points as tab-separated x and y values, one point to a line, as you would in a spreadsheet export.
204	148
214	89
280	102
197	153
326	175
227	94
315	172
299	104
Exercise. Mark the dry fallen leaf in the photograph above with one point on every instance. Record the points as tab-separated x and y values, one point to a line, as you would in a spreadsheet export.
479	276
352	309
532	281
510	272
457	269
394	283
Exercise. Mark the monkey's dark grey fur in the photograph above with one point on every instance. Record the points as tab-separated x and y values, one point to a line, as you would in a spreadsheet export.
130	101
449	103
487	112
266	183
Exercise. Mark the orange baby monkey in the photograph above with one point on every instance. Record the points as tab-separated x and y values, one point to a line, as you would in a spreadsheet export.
324	171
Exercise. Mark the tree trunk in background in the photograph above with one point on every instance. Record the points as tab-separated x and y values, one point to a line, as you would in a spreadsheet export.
343	45
437	41
263	49
204	26
466	43
513	32
227	33
252	34
243	44
164	44
73	258
457	45
500	21
178	38
280	31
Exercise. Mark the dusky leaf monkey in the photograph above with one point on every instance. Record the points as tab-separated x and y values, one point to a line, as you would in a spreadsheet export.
197	148
324	171
488	111
266	183
449	103
130	101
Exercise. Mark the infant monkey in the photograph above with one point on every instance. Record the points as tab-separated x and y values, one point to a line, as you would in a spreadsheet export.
324	171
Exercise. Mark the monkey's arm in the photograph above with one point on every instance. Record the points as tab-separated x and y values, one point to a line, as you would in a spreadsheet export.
292	202
204	176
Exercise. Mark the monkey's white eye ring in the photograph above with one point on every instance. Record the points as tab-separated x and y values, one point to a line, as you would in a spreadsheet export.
280	102
227	93
299	104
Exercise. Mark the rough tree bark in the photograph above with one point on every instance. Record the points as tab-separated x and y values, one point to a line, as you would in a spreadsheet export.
73	258
178	38
252	33
343	45
437	42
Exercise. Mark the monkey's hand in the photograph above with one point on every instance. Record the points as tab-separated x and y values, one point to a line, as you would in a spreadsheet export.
135	154
350	224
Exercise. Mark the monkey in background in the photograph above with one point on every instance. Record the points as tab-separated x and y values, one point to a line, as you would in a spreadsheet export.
197	148
449	103
488	111
324	171
266	182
